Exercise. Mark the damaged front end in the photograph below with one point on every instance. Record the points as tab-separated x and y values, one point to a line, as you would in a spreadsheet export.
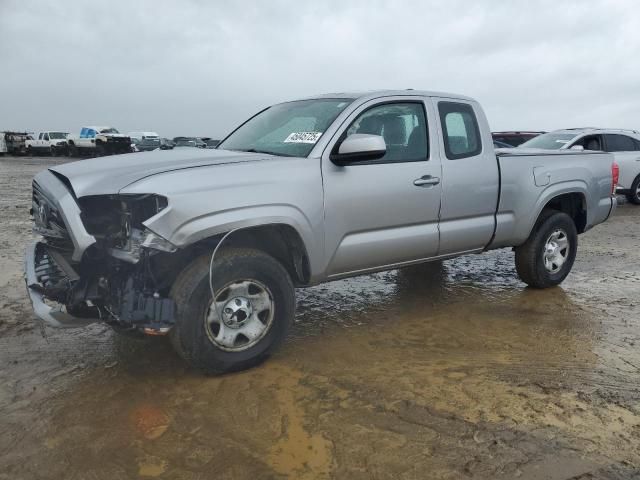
96	260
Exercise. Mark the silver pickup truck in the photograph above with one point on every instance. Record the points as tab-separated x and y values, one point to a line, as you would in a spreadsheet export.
208	245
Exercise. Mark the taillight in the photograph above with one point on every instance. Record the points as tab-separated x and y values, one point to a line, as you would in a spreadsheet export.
615	176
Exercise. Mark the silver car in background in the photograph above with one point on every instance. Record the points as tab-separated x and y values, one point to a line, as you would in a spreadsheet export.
623	144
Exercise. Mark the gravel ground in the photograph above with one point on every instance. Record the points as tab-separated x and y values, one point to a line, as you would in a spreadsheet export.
444	371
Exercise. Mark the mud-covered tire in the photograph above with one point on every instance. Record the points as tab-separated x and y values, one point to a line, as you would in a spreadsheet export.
634	194
530	263
191	335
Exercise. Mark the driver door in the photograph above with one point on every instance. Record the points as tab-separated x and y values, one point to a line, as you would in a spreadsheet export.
383	213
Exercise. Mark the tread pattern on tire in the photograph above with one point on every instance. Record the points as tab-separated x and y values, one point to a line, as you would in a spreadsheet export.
528	254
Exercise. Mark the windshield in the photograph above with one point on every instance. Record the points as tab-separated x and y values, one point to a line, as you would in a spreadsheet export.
549	141
287	129
150	141
185	143
109	130
57	135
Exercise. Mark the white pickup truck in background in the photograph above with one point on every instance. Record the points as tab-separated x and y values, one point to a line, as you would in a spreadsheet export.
51	143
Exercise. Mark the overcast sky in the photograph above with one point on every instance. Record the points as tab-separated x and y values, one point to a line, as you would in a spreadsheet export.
200	67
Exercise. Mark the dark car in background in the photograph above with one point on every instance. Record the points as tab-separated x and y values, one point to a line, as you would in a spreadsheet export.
211	143
499	144
149	144
513	139
196	142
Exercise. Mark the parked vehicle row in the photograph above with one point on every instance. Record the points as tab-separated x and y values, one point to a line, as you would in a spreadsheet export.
93	141
208	246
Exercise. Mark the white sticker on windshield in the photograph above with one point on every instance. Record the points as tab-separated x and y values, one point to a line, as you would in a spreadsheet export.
303	137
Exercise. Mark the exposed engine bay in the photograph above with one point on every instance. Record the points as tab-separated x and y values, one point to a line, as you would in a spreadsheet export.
123	278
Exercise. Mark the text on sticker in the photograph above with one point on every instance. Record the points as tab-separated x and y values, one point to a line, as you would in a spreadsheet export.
303	137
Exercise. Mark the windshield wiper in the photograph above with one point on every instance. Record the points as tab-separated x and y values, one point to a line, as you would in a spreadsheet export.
253	150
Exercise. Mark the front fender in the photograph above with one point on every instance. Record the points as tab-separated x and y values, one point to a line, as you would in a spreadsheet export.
205	226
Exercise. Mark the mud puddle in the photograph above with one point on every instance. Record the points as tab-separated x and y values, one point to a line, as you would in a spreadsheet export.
443	371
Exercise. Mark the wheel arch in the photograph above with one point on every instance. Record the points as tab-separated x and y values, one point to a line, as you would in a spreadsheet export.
572	203
280	240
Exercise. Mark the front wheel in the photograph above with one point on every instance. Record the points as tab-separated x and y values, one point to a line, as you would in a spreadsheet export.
251	315
547	256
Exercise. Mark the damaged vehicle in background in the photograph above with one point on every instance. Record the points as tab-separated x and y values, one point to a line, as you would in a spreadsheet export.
98	142
208	246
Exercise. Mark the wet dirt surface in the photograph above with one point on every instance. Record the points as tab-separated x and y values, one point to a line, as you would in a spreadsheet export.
442	371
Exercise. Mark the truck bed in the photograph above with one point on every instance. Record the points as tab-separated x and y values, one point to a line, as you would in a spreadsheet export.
537	174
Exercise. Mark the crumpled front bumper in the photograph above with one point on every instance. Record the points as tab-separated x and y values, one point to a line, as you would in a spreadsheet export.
55	316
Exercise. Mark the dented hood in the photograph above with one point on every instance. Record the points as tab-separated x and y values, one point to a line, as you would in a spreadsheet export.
109	175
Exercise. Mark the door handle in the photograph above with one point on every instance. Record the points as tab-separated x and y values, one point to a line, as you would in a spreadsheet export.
426	181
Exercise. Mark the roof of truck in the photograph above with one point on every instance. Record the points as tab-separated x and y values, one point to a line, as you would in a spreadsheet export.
390	93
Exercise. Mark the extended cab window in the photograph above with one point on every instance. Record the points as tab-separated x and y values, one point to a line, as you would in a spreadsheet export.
619	143
460	129
403	127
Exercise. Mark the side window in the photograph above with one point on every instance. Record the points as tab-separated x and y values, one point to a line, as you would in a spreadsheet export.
83	133
460	129
403	127
40	137
619	143
46	136
91	133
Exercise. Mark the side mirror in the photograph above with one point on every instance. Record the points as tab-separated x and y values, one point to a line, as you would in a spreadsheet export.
577	148
360	147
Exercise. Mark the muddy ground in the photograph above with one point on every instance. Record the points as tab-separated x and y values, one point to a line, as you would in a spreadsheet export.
436	372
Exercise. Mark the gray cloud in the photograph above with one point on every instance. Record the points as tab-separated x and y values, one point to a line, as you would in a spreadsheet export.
196	67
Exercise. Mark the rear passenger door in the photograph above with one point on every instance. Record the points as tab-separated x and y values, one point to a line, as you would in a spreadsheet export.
470	177
626	151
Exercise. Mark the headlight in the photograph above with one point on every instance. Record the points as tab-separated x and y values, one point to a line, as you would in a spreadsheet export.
156	242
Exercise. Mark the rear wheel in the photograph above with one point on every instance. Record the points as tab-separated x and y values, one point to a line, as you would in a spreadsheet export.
53	151
250	317
73	150
30	151
634	194
546	258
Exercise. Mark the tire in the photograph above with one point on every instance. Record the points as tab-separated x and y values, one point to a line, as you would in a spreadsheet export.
73	150
30	151
198	335
530	257
100	150
53	151
634	195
